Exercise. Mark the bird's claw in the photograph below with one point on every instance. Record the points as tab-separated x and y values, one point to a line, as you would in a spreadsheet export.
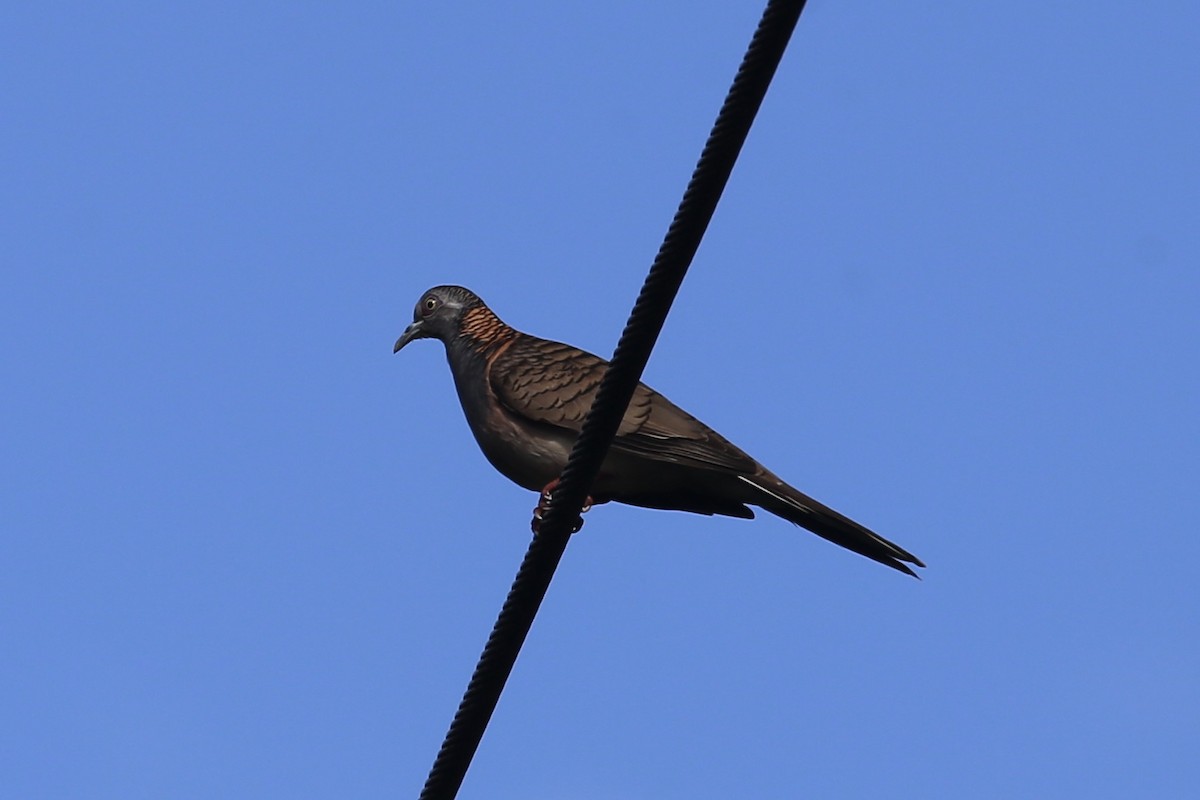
543	506
538	515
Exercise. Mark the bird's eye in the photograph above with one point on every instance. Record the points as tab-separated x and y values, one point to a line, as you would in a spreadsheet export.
429	304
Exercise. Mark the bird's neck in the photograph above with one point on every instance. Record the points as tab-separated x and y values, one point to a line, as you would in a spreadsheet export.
481	332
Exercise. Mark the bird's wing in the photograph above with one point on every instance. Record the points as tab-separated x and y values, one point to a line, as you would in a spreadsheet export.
550	383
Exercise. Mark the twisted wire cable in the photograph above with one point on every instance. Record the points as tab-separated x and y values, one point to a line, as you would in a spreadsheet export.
612	397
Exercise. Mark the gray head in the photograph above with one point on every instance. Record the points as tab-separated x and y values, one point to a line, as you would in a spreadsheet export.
438	314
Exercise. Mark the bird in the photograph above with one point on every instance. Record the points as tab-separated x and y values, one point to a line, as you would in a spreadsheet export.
525	399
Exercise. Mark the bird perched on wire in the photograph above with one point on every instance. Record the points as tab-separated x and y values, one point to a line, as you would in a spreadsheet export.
525	399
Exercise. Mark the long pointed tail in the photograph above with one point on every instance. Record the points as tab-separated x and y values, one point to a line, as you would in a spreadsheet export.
796	507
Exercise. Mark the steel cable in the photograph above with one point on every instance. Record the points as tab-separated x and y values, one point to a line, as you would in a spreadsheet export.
625	370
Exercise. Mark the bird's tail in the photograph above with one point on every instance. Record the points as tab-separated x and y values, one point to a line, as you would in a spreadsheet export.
796	507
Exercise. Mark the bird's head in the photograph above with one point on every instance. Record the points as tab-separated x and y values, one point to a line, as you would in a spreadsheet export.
438	314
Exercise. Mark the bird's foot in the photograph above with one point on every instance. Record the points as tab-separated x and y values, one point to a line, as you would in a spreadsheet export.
544	505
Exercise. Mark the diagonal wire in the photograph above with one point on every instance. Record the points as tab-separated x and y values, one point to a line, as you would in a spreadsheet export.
625	370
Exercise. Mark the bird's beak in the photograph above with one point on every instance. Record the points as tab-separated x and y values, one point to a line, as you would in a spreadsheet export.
413	331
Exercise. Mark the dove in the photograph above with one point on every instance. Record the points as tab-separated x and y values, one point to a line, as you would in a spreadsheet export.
525	399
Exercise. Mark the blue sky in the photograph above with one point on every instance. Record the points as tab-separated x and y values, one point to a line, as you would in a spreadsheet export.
951	290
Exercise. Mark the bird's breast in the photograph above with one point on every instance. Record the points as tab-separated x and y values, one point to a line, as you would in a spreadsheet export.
528	454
